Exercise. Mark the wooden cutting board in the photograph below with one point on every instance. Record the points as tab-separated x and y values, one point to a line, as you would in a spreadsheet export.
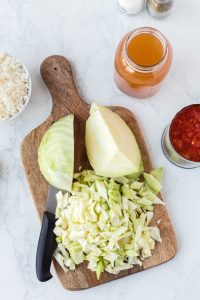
57	74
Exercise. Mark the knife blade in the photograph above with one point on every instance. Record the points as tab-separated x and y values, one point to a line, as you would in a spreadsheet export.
47	240
51	200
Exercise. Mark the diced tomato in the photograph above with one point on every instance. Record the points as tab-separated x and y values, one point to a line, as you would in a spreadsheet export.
184	132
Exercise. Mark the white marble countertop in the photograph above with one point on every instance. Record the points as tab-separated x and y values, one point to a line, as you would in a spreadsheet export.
87	32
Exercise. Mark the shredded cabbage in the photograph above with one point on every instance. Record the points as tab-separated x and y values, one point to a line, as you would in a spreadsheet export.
106	222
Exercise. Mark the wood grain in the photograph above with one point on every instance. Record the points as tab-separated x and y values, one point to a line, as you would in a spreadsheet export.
57	74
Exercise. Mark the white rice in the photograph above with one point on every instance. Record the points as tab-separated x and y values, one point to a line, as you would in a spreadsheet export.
14	86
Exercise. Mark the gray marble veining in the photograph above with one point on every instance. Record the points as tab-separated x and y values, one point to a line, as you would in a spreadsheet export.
87	32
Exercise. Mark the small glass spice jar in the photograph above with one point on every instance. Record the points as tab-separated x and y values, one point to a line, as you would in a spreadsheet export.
130	7
142	60
159	8
181	139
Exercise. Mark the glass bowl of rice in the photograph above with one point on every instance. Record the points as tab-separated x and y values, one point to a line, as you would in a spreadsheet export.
15	87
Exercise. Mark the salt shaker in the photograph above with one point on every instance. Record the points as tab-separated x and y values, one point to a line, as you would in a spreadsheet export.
131	7
159	8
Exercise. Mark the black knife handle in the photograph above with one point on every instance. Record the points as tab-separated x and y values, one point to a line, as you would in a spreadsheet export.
46	247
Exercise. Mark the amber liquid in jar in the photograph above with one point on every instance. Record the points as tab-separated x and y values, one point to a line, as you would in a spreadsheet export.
142	61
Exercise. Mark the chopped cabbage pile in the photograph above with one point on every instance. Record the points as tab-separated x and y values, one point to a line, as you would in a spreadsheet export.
106	221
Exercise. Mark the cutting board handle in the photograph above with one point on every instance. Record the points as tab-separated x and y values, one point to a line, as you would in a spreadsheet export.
57	73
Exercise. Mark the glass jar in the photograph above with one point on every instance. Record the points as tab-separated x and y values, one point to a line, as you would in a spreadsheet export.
159	8
181	139
131	7
142	60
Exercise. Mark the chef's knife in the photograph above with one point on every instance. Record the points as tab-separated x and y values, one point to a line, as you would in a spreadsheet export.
47	240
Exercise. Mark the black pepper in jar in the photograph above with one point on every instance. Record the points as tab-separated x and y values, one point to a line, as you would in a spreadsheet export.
159	8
